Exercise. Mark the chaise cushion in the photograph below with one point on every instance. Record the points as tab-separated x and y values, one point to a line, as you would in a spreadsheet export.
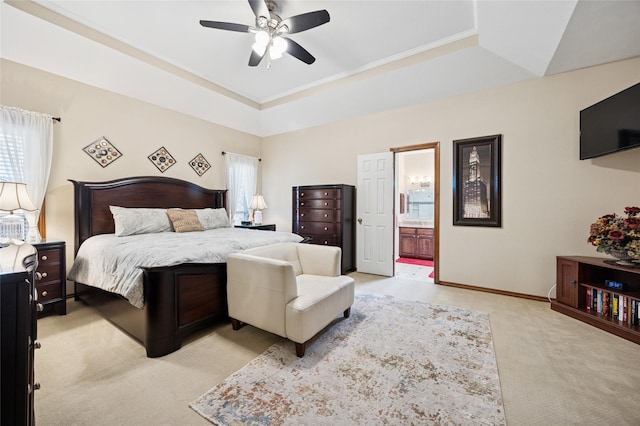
320	300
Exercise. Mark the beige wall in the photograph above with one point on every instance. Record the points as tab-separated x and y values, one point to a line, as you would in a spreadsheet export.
549	196
136	128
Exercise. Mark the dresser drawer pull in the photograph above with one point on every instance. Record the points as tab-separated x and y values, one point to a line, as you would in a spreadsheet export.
302	194
302	204
39	307
45	257
326	242
44	275
326	215
44	293
302	227
301	214
326	229
38	276
326	204
326	193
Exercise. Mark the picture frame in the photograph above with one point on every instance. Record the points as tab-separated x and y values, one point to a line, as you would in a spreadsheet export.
477	199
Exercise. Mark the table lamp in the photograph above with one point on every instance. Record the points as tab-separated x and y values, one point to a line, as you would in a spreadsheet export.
257	204
14	196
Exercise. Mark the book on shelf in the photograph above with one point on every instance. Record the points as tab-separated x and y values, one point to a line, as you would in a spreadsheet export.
625	309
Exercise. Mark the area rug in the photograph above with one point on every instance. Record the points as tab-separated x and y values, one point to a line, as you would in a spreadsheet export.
391	362
410	261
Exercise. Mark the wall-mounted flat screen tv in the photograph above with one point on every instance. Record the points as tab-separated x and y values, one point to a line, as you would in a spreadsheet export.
611	125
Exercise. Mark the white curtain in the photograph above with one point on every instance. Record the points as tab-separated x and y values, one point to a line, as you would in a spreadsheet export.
242	179
30	133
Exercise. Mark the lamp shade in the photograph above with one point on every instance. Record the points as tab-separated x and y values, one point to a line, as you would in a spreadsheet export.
257	203
14	196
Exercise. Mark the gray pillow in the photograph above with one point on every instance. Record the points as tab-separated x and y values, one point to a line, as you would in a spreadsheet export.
132	221
213	218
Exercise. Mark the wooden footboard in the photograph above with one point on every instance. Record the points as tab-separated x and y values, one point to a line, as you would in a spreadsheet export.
178	300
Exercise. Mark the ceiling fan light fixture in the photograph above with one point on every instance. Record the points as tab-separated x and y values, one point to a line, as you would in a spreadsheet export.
270	28
262	40
279	45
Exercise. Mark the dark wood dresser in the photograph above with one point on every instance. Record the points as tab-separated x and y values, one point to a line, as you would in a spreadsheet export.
18	329
325	214
51	275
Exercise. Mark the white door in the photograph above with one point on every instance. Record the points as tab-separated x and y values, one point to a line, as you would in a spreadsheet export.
374	226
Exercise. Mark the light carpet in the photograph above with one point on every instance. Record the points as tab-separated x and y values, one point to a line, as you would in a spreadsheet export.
391	362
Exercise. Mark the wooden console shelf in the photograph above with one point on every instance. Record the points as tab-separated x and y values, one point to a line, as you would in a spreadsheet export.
579	279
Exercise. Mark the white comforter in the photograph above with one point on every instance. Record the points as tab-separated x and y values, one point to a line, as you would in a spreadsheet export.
113	263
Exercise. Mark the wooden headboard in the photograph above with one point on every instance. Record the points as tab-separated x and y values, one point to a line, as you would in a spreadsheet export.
92	200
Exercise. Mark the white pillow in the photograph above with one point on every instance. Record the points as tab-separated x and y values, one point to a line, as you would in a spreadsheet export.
131	221
213	218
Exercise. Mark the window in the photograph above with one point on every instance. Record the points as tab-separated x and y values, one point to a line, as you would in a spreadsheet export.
11	158
11	166
26	150
242	177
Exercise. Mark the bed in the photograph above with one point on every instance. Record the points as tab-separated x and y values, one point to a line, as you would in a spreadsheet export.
178	299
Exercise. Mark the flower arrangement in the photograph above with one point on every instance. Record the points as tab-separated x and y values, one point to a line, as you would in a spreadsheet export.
613	233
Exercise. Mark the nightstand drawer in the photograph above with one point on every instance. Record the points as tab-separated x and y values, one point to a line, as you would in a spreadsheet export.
50	291
48	272
48	256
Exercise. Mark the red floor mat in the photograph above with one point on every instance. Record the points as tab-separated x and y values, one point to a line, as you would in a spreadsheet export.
415	261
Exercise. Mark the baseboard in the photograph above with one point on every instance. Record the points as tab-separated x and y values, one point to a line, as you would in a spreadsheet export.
494	291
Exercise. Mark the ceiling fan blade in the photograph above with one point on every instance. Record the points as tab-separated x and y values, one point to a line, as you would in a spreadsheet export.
256	58
260	8
297	51
226	26
305	21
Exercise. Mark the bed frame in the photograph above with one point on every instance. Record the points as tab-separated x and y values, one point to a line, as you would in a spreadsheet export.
178	299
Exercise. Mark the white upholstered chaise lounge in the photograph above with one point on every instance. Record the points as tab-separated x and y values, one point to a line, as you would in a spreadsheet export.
293	290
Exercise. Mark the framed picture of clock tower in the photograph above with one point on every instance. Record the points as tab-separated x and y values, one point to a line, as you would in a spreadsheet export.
476	181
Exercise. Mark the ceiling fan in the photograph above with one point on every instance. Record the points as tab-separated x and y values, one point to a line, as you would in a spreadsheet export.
270	30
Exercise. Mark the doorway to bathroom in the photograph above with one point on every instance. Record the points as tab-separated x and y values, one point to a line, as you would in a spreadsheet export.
417	200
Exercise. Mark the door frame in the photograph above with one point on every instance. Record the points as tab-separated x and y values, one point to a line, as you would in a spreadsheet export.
436	189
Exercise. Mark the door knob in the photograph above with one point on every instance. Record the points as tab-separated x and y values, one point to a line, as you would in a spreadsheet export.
360	220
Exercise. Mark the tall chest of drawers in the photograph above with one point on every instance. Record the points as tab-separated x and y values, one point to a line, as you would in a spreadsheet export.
325	215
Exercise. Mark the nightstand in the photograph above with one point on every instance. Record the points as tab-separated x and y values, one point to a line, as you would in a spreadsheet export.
262	227
51	275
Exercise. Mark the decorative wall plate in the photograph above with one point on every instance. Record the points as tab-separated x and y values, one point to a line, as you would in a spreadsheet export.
102	151
199	164
162	159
